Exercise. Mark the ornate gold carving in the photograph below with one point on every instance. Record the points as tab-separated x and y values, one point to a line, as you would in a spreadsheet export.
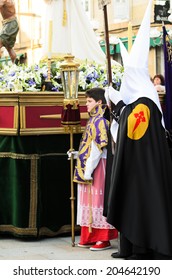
72	102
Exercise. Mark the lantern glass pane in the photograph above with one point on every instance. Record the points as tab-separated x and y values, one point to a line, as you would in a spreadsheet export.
70	84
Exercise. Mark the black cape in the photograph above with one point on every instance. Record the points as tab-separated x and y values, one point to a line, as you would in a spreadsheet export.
139	201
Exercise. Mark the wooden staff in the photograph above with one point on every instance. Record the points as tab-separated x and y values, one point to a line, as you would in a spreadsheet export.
109	71
103	5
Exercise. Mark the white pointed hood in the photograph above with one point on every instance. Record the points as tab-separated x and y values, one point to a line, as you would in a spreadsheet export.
136	80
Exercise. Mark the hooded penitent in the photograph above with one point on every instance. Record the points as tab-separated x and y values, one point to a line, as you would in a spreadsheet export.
139	201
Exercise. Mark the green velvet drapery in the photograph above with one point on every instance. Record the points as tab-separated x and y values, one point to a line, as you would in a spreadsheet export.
35	184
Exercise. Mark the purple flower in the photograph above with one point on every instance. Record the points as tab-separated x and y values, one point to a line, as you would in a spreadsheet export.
105	83
31	82
36	67
45	75
12	74
55	89
96	76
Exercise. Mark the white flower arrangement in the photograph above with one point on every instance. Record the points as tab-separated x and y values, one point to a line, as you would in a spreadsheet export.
23	78
95	75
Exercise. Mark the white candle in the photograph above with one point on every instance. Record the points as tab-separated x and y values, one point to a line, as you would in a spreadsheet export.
50	37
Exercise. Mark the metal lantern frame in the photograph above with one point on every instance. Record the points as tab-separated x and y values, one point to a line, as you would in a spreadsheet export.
70	77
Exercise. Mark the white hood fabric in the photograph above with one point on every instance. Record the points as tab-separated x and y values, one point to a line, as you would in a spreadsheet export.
136	80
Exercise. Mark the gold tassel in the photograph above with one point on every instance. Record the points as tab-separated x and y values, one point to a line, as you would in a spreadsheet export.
90	211
64	21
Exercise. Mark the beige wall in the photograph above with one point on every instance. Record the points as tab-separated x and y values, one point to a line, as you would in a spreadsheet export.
137	9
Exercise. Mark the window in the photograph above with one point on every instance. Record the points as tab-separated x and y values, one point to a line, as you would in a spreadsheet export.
22	5
159	60
121	10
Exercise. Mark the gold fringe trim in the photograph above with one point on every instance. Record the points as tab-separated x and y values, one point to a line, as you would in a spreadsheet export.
18	231
28	157
18	156
63	229
33	193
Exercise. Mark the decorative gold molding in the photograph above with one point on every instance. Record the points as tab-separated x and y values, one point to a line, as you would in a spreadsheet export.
44	131
16	117
8	132
22	117
22	100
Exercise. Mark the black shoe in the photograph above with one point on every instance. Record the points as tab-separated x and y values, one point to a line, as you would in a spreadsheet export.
117	255
140	257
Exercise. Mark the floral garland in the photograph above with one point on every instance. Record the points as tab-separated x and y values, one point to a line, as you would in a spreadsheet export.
23	78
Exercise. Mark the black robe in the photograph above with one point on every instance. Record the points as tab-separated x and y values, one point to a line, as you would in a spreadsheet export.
140	196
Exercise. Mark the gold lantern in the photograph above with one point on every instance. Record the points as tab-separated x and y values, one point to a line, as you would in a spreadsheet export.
70	77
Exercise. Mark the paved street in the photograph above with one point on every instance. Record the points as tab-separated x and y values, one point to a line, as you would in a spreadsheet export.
56	248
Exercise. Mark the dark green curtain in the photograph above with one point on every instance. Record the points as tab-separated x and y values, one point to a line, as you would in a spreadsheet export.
35	184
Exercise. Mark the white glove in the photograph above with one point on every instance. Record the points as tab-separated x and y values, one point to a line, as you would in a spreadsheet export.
114	130
107	96
114	95
74	153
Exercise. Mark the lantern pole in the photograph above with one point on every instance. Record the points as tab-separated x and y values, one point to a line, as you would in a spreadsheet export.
72	197
70	119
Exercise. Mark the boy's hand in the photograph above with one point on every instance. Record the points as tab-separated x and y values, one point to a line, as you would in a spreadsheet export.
113	95
74	153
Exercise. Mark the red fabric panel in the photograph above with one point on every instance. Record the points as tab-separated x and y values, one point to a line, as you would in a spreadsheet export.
33	114
6	116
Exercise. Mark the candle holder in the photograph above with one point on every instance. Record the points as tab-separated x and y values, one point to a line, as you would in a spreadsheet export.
47	84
